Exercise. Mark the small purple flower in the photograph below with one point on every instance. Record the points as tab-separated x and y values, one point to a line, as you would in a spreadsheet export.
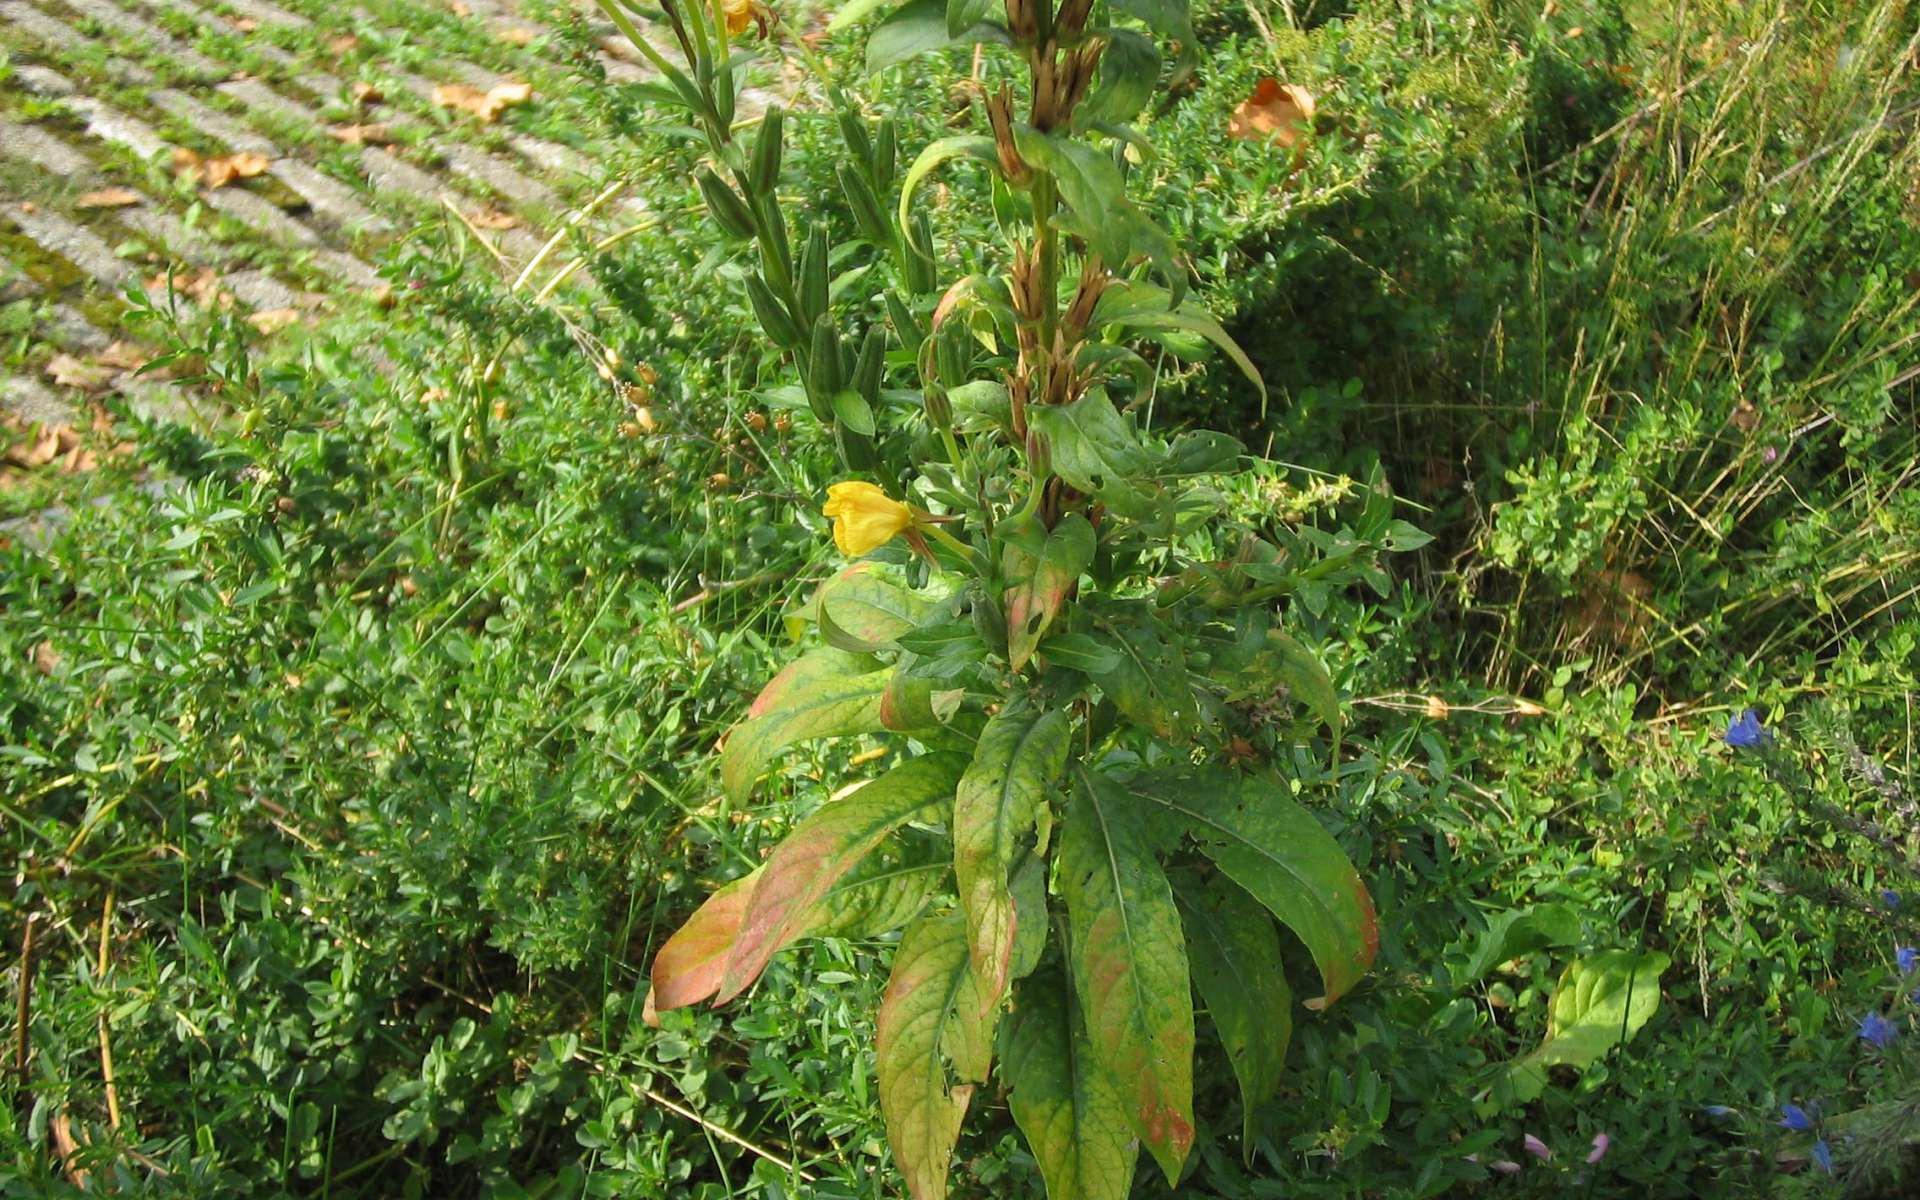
1536	1147
1770	454
1506	1166
1908	957
1793	1117
1721	1110
1823	1154
1744	732
1877	1029
1890	898
1601	1142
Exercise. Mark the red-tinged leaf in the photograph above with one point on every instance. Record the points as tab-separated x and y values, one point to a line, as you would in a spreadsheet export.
1016	763
823	693
1129	961
864	609
689	966
1074	1117
1235	953
821	849
1043	566
933	1027
1278	852
911	702
888	889
1149	682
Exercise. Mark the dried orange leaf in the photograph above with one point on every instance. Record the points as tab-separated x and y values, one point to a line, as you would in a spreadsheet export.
45	658
366	94
68	371
490	218
374	134
124	356
346	43
270	321
113	197
1278	112
515	36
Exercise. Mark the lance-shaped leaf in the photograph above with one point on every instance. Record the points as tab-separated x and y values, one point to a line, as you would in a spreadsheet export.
933	1025
914	702
1144	306
1129	962
1600	1001
862	609
1097	451
823	693
1286	859
1129	73
1070	1109
1042	565
1238	971
822	848
688	967
1148	682
918	27
938	151
889	888
1016	763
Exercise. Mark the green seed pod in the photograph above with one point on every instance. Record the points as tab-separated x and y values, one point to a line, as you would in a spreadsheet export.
729	211
918	256
764	173
939	408
867	213
853	130
776	258
953	352
886	152
870	364
824	376
905	324
772	314
856	449
724	97
813	281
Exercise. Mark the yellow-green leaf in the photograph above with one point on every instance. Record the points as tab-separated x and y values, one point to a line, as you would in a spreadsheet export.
689	966
1238	972
1600	1001
863	609
934	1028
1072	1113
1016	763
1129	963
823	693
1042	565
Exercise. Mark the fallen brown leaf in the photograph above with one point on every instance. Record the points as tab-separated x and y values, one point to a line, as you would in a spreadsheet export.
45	658
113	197
459	9
485	106
68	371
219	170
492	218
270	321
202	288
1278	112
346	43
374	134
245	24
367	94
515	36
42	449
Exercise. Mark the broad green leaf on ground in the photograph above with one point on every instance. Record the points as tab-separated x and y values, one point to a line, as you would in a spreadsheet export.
1097	450
1600	1001
932	155
1238	972
1042	568
934	1028
1516	932
1129	964
863	608
821	849
1278	852
823	693
688	967
1016	764
1070	1110
1149	682
1144	306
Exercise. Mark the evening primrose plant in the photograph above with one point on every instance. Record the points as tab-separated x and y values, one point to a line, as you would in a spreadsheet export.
1072	653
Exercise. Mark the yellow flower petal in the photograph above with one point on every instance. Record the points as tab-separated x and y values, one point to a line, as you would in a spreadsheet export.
739	15
864	517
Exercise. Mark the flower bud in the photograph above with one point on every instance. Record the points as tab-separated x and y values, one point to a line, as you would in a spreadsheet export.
1039	455
939	408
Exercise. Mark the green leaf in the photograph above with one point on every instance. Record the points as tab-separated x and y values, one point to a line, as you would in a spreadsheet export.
852	11
1518	932
1041	576
689	966
1029	888
1091	187
943	639
864	608
888	888
1129	73
1071	1112
913	702
1281	659
1097	451
851	409
1238	971
1600	1001
918	27
1144	306
1016	764
1129	963
935	153
963	15
823	693
1149	684
1202	452
822	848
1278	852
1080	652
933	1024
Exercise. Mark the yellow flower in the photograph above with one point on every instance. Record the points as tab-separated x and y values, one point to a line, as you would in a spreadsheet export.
739	15
864	517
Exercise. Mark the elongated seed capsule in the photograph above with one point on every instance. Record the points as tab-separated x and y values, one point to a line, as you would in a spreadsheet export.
813	281
853	130
886	151
824	376
919	256
870	364
764	173
905	324
865	206
776	259
772	314
953	352
729	211
723	93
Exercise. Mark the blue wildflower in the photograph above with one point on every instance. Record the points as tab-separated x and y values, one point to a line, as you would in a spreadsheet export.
1890	898
1745	733
1877	1029
1793	1117
1908	957
1720	1110
1823	1154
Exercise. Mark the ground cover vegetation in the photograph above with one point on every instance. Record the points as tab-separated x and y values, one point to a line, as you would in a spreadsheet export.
360	777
